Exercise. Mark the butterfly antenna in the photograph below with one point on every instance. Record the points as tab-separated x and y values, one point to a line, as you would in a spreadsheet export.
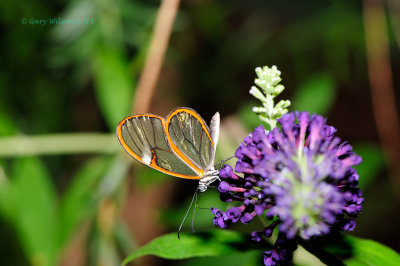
225	160
187	212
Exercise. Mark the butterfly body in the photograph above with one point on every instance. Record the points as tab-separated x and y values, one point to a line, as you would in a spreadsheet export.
181	145
209	177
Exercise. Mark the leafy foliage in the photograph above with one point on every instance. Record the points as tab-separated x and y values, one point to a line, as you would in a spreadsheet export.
333	250
211	243
350	250
35	205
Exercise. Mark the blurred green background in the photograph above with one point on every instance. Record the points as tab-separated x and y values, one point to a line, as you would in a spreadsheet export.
68	193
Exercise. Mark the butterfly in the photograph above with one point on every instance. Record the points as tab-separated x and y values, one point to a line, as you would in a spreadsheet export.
180	145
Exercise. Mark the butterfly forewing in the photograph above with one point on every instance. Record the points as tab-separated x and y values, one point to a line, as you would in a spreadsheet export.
143	137
189	138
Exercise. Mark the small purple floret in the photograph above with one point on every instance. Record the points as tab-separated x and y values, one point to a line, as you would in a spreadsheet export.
223	187
271	258
226	171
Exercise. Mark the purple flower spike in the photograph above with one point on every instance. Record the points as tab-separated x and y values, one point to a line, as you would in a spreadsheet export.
299	177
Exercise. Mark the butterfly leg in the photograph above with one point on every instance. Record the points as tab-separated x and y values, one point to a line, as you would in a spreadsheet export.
187	212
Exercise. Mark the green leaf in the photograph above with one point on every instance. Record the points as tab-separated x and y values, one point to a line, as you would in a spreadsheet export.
114	85
369	252
302	257
34	199
350	250
316	95
77	203
250	258
212	243
373	162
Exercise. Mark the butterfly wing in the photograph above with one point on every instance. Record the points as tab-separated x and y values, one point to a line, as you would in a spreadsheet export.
144	138
190	139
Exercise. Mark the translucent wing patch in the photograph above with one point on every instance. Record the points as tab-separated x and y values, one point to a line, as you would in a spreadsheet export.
143	137
189	137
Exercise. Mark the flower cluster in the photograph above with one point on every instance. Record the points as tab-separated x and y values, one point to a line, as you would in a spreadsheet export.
300	177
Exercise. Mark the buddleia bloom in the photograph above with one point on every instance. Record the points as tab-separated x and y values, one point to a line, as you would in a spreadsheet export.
299	177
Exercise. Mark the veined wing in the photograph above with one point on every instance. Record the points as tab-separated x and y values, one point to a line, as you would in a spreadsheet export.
143	137
190	139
